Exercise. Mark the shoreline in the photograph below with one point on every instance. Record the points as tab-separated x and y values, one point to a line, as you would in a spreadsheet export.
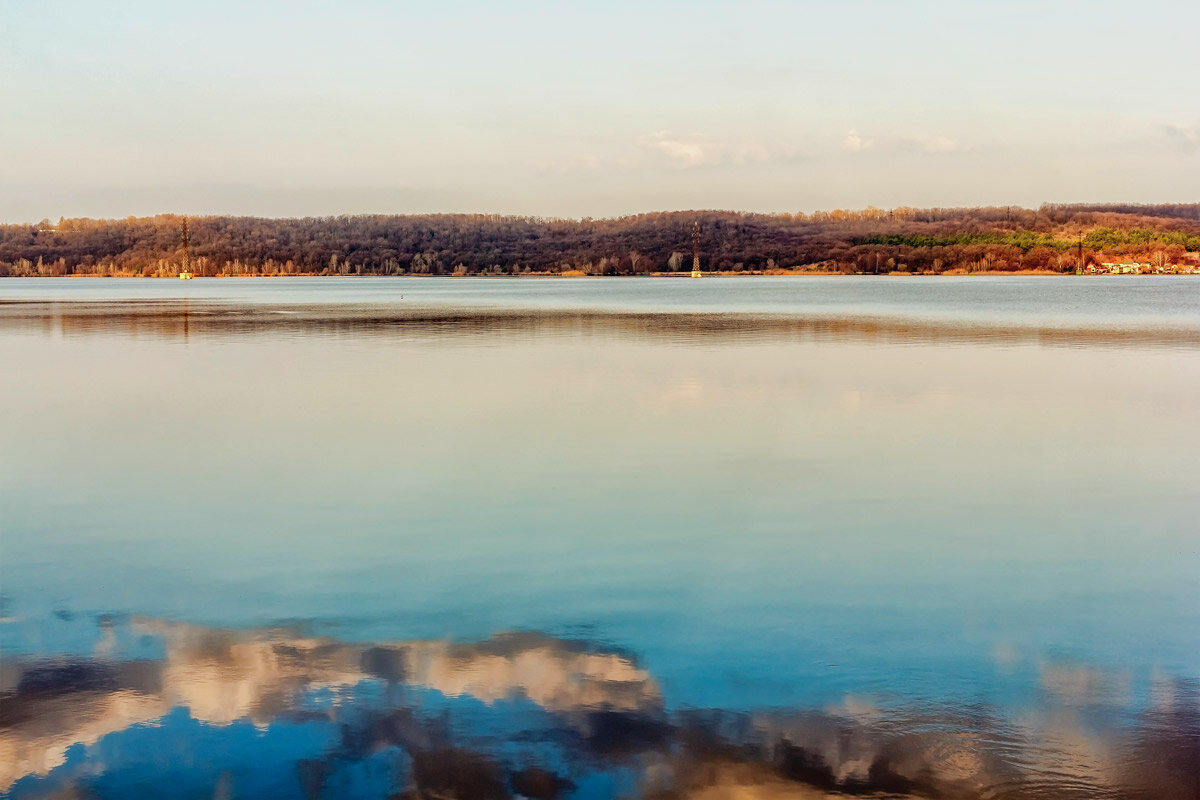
648	275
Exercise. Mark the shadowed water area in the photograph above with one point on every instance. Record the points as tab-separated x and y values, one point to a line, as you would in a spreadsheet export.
486	538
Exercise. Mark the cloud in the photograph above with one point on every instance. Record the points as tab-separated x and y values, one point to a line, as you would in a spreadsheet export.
1186	137
685	151
931	144
681	151
697	150
856	142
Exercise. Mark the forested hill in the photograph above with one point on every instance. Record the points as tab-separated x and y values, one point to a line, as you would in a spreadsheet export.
1053	237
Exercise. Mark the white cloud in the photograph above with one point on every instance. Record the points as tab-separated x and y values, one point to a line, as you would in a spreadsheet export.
685	151
697	150
855	143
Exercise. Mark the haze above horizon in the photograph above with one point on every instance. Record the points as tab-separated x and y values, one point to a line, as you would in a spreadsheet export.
272	109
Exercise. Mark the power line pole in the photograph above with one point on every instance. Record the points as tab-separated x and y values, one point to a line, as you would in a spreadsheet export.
186	272
186	249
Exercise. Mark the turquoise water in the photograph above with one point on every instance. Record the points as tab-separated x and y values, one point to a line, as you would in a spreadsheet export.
936	537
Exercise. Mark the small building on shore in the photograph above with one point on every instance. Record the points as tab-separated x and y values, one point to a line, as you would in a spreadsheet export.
1123	267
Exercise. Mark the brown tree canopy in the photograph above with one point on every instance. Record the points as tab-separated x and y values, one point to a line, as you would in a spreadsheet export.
1053	237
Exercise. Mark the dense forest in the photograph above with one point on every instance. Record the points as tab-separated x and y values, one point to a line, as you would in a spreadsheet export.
1056	238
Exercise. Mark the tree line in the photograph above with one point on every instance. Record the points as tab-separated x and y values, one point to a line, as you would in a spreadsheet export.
1056	238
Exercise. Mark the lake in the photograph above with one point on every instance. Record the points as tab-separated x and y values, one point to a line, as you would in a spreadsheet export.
600	538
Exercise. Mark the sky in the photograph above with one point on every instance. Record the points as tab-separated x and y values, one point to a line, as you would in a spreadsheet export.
300	108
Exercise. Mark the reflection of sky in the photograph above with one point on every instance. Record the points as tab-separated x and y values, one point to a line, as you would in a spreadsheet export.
1157	303
834	494
278	713
768	522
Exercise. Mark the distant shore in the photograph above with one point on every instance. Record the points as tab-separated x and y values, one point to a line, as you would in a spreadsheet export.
1053	239
778	273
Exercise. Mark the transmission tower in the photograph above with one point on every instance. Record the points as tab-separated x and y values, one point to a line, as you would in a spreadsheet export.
186	249
186	272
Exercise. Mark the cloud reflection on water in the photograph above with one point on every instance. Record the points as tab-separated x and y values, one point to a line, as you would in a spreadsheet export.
284	713
419	472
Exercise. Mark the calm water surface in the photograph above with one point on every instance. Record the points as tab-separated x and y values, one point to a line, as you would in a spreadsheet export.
600	538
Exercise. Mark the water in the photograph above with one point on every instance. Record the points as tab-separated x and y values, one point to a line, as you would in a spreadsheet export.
600	538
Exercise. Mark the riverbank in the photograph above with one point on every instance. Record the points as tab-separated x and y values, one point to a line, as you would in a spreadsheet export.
775	273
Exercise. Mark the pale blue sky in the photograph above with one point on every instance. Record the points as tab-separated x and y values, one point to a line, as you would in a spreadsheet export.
298	108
